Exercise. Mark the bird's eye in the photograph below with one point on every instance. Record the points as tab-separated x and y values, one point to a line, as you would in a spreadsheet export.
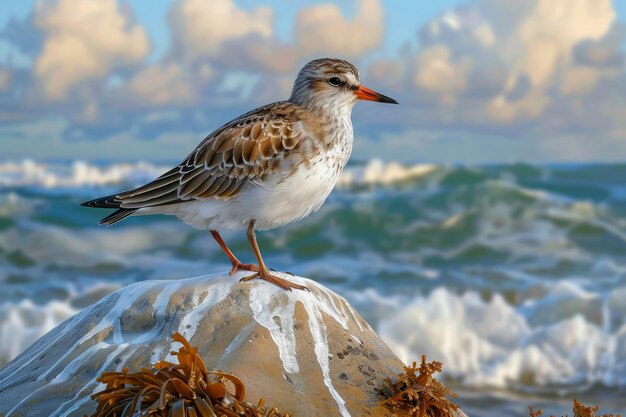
334	81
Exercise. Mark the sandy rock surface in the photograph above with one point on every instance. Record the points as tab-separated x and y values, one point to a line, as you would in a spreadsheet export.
309	353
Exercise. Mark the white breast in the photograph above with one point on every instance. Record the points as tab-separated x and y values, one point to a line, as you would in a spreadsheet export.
297	195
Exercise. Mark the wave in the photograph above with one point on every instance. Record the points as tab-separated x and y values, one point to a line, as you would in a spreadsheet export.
600	181
564	340
23	323
379	172
28	173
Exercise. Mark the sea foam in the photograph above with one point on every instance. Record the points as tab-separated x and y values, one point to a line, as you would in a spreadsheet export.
23	323
79	173
29	173
562	340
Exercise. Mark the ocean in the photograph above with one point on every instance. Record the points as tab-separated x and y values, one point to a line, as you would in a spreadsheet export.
514	276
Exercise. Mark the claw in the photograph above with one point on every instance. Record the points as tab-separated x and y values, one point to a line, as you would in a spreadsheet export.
249	277
243	267
273	279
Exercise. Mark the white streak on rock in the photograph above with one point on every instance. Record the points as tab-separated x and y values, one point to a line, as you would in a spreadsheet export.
163	299
355	317
78	362
76	405
318	331
189	323
125	299
275	310
21	402
356	339
265	310
75	401
238	341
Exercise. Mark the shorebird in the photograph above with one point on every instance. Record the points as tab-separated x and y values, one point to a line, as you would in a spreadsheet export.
266	168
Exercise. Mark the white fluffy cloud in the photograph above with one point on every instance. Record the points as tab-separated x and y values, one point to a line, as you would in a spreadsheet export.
545	40
160	85
211	38
85	44
436	73
322	28
84	40
525	67
201	27
535	70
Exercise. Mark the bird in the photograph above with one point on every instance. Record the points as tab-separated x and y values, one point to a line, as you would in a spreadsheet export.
264	169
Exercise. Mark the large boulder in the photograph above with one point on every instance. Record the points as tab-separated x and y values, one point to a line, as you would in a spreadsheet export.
308	353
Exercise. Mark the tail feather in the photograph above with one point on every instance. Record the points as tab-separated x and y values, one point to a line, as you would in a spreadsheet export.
110	201
116	216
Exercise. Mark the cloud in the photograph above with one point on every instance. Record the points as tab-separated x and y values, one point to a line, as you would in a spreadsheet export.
542	72
318	30
200	28
438	74
5	79
207	49
84	40
528	67
322	28
160	85
90	62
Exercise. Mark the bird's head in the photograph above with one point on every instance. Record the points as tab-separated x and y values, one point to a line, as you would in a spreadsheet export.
332	84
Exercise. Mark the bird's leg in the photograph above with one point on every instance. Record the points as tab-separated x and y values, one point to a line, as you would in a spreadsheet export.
263	272
237	265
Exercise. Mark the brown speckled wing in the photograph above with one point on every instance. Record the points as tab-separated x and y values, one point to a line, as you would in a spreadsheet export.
246	149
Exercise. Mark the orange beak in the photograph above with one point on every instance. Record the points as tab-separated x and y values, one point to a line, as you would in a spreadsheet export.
364	93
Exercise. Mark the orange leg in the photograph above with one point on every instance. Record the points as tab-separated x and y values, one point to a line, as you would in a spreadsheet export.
262	272
237	265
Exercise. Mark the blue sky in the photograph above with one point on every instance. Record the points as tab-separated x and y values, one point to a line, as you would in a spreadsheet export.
153	15
478	81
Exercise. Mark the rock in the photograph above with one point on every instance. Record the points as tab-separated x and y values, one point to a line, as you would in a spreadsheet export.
310	354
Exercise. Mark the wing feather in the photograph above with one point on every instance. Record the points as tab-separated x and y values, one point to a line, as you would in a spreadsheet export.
165	179
241	152
149	196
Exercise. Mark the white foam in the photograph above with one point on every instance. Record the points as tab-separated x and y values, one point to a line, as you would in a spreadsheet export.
378	172
23	323
30	173
189	323
558	340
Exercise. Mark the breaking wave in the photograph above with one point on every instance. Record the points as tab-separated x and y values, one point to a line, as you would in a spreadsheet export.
23	323
28	173
563	340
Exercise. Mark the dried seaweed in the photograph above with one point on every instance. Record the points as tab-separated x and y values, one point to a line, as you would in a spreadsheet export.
579	409
185	389
417	394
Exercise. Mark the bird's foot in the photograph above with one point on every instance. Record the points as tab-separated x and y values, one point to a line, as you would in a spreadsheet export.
271	278
238	266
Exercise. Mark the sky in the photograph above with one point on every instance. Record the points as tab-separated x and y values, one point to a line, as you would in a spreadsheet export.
478	81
